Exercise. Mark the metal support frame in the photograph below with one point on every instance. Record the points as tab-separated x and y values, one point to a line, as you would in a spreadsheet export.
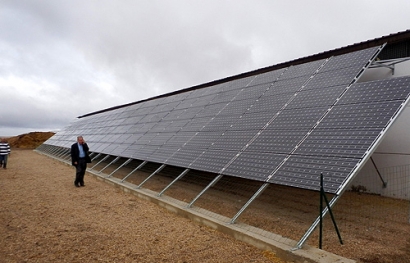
119	167
60	152
138	167
66	155
176	179
378	172
98	155
102	160
342	188
43	148
151	175
323	196
388	63
255	195
54	150
214	181
314	225
113	161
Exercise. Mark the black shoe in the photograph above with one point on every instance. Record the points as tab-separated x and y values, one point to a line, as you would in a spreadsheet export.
76	185
82	185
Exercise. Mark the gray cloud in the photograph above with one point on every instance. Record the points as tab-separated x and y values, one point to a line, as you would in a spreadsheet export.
61	59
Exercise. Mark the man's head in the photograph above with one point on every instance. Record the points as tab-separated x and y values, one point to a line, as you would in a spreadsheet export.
80	139
3	140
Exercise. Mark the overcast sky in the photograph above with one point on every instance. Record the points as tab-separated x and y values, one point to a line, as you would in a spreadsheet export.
61	59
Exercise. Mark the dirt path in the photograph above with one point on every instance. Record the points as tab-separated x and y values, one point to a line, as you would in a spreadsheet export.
44	218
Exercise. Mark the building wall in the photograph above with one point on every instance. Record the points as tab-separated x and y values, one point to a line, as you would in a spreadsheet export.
392	156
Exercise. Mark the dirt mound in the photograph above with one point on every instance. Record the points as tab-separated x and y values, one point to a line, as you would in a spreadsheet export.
29	140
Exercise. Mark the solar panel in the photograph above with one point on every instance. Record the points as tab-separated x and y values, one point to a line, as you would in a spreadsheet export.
254	166
212	160
285	126
345	135
304	172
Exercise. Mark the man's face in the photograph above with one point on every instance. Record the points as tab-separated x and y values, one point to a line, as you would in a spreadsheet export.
80	140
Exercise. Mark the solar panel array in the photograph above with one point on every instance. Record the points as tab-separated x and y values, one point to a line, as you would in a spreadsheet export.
285	126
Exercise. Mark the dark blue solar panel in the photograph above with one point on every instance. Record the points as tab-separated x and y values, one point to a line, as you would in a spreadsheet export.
317	97
361	116
304	172
376	91
298	119
336	143
276	141
305	117
252	92
354	59
212	160
254	166
302	70
233	140
144	152
287	86
267	78
184	156
162	154
238	83
331	78
220	123
203	139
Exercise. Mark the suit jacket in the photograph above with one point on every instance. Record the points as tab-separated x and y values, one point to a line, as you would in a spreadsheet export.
75	153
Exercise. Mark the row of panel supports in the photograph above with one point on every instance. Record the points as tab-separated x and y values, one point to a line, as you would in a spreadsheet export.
99	158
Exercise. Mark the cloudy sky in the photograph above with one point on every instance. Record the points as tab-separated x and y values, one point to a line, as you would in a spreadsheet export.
61	59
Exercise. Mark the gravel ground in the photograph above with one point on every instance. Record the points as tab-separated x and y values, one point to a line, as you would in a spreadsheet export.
44	218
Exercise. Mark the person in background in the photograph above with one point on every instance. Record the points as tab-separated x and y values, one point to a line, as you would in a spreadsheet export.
4	152
79	159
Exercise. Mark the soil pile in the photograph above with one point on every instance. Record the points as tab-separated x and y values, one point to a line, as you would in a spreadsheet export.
29	140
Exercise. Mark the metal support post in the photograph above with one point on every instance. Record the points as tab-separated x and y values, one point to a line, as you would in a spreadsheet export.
98	155
176	179
119	167
255	195
378	172
66	156
214	181
151	175
60	152
322	193
138	167
316	222
113	161
102	160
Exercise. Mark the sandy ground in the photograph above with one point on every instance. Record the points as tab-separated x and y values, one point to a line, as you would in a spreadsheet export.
44	218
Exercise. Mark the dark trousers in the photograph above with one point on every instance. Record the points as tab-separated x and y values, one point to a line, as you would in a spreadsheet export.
81	167
3	161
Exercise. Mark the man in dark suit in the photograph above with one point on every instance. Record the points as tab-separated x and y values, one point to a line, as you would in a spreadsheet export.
79	159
